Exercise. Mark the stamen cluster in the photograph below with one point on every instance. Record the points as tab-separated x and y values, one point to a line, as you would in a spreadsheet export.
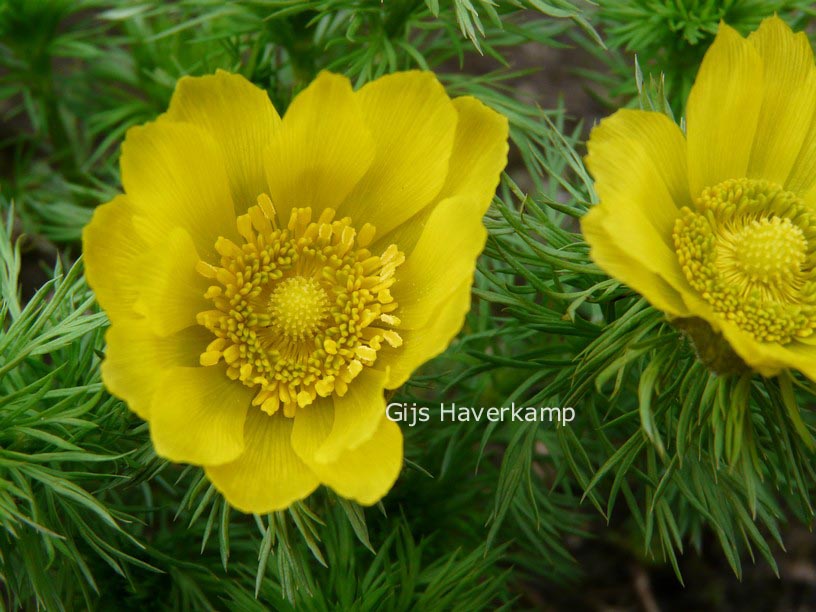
749	249
298	311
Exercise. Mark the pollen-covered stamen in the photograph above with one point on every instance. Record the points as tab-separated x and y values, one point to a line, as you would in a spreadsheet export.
299	311
750	250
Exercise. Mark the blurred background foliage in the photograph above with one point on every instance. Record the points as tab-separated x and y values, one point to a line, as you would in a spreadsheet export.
671	485
671	37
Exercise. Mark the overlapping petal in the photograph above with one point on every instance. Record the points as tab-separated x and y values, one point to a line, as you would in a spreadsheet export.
788	103
136	359
413	123
767	358
638	160
478	157
196	417
424	343
174	176
723	111
171	292
113	251
242	122
445	255
268	475
354	418
364	473
617	260
322	149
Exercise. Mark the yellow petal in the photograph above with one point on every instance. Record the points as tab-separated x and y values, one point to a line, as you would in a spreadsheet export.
788	104
444	257
364	474
413	122
614	255
722	111
111	251
172	292
136	359
322	149
174	176
479	155
801	356
638	161
607	232
242	122
353	417
802	179
639	164
479	151
422	344
789	111
197	416
769	359
268	476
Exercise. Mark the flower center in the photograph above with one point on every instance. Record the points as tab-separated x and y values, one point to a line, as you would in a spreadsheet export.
298	306
765	254
749	249
298	311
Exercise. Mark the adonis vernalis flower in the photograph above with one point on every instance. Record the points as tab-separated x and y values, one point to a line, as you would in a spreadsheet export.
717	227
266	279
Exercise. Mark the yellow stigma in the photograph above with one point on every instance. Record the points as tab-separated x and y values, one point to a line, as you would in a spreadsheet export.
766	252
298	306
765	256
749	249
299	311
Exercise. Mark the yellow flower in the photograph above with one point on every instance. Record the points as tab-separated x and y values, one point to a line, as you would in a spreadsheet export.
266	279
717	227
